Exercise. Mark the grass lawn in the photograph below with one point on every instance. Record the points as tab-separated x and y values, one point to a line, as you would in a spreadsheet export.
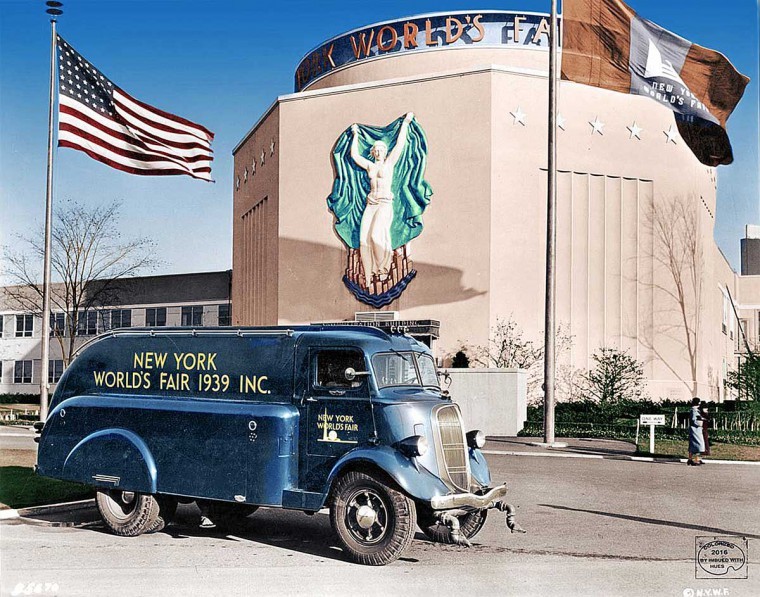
21	488
680	449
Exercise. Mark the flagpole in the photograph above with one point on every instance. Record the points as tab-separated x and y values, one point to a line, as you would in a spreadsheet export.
551	237
54	11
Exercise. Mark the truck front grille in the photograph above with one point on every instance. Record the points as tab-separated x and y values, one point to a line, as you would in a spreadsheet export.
453	463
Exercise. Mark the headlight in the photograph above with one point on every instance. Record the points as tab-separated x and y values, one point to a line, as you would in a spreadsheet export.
416	445
476	439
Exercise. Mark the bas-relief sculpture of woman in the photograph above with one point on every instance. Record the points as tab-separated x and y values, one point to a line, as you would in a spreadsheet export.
378	197
375	230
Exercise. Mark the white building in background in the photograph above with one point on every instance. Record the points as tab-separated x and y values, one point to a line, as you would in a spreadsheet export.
196	300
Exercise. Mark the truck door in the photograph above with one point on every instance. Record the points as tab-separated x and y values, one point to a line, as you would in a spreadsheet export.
336	414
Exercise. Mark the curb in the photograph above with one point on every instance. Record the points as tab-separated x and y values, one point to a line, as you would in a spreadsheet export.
42	510
616	457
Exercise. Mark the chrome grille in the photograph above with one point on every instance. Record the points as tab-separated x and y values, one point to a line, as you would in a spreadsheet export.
454	465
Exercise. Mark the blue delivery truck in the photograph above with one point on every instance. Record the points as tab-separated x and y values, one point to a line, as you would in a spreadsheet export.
342	417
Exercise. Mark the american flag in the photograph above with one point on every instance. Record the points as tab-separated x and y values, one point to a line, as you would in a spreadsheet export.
102	120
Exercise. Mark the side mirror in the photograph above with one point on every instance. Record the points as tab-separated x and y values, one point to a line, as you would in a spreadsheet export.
352	374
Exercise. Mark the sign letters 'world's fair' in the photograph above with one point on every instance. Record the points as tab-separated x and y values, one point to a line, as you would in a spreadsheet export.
429	32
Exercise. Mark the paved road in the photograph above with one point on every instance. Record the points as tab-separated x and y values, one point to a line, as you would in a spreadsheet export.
17	438
596	527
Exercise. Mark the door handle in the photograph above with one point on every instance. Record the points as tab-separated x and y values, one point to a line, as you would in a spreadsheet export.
305	399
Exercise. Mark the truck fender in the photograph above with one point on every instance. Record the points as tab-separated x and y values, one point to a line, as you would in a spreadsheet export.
413	479
114	458
479	468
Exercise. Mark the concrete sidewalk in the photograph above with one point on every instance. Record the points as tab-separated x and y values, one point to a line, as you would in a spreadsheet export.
588	448
575	446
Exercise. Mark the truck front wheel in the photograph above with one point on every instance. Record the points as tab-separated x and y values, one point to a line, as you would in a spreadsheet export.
128	513
374	522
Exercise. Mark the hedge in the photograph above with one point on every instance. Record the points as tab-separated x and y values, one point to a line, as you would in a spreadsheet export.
19	398
627	431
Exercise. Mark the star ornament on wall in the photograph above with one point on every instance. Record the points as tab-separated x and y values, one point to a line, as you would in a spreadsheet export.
253	167
271	148
263	155
518	116
671	135
635	130
597	126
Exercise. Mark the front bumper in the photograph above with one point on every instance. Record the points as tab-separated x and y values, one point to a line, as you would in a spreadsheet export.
471	500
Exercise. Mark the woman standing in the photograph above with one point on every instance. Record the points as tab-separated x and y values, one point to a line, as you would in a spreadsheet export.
696	439
705	425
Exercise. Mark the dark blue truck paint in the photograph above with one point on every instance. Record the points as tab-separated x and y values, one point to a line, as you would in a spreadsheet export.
260	416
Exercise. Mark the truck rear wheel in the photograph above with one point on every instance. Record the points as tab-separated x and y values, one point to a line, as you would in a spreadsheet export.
374	522
470	524
167	508
127	513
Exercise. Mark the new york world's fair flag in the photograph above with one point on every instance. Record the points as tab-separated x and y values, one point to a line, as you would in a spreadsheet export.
102	120
606	44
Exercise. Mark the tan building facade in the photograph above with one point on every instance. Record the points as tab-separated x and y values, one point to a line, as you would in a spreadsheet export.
626	178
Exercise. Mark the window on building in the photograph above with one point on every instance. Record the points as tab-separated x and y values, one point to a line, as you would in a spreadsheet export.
87	323
192	316
117	318
224	315
1	325
724	325
57	324
24	326
732	324
155	317
55	370
1	370
22	372
743	333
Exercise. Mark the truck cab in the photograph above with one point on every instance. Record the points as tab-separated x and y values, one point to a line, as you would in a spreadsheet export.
344	417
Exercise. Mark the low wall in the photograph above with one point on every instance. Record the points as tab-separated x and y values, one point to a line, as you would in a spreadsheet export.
493	400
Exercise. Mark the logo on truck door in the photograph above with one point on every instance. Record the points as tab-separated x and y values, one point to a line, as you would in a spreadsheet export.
336	429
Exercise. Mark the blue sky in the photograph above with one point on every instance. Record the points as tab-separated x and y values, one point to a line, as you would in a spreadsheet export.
222	63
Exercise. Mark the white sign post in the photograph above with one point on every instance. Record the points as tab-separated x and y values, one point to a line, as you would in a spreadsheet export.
652	420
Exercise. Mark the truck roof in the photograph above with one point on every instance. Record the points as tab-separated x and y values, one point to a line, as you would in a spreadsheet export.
349	331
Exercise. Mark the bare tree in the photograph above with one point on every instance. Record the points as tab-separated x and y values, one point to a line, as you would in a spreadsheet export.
88	259
678	252
508	348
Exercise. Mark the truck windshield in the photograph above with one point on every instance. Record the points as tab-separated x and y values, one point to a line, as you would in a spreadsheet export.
404	369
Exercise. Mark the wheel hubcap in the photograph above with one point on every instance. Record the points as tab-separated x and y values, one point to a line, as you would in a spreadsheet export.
367	516
121	504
